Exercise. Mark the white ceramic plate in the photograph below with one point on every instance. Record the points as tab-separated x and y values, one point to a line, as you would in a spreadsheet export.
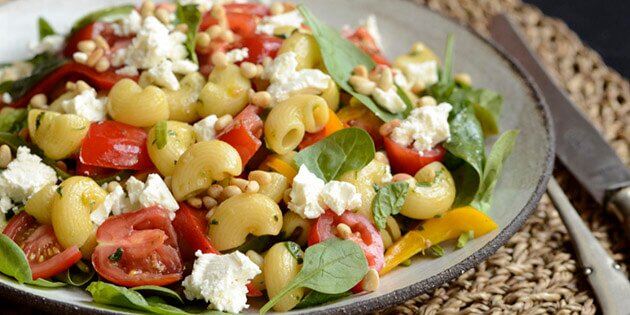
401	22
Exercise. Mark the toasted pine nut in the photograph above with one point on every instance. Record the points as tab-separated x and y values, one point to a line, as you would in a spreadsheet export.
223	122
5	156
194	202
276	8
386	81
343	230
230	191
214	191
388	127
371	281
249	70
214	31
266	61
101	42
203	40
239	182
427	101
362	84
262	177
182	28
86	46
102	65
360	70
209	202
82	86
163	15
39	101
80	57
219	59
94	57
401	177
261	99
71	86
417	48
463	78
227	36
417	87
252	187
147	8
210	213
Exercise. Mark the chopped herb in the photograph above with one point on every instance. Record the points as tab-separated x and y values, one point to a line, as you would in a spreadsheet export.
59	190
275	217
117	255
189	15
436	250
214	222
406	263
38	119
161	134
44	28
464	238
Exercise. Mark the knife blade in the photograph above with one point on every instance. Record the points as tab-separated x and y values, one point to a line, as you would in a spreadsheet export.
579	146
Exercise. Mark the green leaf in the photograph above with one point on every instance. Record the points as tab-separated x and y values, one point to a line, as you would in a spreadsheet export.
257	243
161	134
110	294
19	87
315	298
388	201
106	15
189	15
340	57
117	255
46	283
13	120
162	291
436	250
14	142
331	267
487	105
447	69
295	251
466	184
44	28
492	170
463	238
75	276
13	261
403	95
346	150
122	175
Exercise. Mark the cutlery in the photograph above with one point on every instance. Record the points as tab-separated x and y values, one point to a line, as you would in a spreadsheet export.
596	166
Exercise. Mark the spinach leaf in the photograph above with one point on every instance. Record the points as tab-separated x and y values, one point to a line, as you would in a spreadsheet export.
330	267
107	15
75	276
403	96
45	66
44	28
463	238
122	175
487	105
189	15
466	184
467	141
257	243
388	201
14	142
162	291
492	170
13	120
46	283
13	261
161	134
340	57
315	298
345	150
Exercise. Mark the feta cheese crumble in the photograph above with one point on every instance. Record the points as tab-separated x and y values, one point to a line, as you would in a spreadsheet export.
128	25
6	98
286	80
115	203
151	193
23	177
204	129
269	23
426	72
221	280
304	195
237	55
425	127
389	100
50	44
87	105
340	196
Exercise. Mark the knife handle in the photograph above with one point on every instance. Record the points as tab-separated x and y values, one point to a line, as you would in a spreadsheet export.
619	204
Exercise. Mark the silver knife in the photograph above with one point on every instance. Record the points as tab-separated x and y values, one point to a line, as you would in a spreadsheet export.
579	146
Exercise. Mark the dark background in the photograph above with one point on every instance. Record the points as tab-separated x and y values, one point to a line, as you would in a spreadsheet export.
604	25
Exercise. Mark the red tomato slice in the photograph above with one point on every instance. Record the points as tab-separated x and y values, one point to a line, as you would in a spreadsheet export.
93	171
148	243
408	160
91	31
191	227
261	46
242	24
111	144
244	133
364	40
43	252
257	9
364	233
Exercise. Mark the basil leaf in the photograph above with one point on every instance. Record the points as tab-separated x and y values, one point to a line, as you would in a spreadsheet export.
162	291
403	96
75	276
315	298
13	261
436	250
19	87
258	244
492	170
117	255
463	238
189	15
46	283
346	150
14	142
107	15
340	57
44	28
388	201
161	134
331	267
13	120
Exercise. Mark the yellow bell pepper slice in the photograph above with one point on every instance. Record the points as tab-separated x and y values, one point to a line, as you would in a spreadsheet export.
280	166
434	231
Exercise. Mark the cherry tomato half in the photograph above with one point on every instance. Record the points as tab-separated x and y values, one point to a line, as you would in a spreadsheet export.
362	38
261	46
138	248
191	227
257	9
408	160
39	243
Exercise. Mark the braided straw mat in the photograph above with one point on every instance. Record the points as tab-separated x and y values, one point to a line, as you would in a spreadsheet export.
536	271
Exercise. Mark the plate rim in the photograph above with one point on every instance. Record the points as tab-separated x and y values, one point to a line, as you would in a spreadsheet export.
409	292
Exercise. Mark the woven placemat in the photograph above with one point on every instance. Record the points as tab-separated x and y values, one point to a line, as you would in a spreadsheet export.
536	271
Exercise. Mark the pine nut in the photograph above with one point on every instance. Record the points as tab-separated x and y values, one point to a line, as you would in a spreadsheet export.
261	99
386	81
252	187
249	70
147	8
343	230
227	36
401	177
194	202
230	191
255	257
80	57
417	48
210	213
203	40
5	156
276	8
71	86
214	191
262	177
223	122
427	101
182	28
388	127
94	57
82	86
360	70
102	65
61	165
463	79
39	101
163	15
214	31
86	46
111	186
239	182
219	59
371	281
209	202
362	85
101	42
266	61
417	87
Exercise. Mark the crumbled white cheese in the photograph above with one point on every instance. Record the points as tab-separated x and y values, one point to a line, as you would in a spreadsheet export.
304	195
204	129
237	55
129	71
340	196
425	127
128	25
115	203
50	44
184	66
80	57
269	23
425	72
23	177
400	79
389	100
286	80
151	193
163	75
5	204
221	280
6	98
87	105
372	28
387	177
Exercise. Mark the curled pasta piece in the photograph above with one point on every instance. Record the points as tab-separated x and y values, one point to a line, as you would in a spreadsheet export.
259	280
241	215
280	268
183	103
39	204
131	104
202	164
225	93
391	233
274	186
331	95
58	135
434	196
72	204
364	180
306	49
289	120
179	137
295	228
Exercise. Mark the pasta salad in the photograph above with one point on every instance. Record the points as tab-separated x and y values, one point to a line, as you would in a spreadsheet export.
176	157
